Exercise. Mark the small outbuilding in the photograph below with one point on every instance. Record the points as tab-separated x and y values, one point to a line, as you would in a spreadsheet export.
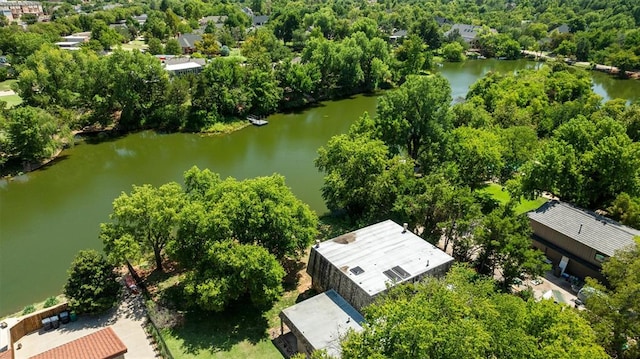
320	322
362	264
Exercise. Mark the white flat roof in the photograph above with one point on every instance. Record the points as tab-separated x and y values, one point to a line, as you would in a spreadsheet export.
183	66
324	320
379	248
68	43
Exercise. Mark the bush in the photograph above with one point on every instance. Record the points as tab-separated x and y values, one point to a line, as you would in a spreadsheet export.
28	309
51	301
92	286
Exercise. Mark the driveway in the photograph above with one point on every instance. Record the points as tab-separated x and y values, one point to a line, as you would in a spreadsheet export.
127	321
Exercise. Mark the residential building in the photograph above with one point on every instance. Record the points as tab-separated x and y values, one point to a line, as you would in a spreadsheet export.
188	42
259	20
13	10
74	41
562	29
469	33
577	241
184	68
398	35
352	270
319	323
362	264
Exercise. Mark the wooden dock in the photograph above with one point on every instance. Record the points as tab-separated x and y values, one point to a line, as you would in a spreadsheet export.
257	121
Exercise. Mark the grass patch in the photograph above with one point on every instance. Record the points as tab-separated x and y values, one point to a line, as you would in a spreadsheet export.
222	128
135	45
11	100
240	332
6	85
501	195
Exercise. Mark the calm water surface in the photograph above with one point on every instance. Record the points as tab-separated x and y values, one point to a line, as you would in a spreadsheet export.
48	215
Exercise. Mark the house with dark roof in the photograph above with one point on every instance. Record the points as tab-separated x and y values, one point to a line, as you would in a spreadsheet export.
577	241
188	42
562	29
259	20
398	35
469	33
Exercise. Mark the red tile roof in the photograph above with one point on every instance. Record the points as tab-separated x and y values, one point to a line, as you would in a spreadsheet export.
103	344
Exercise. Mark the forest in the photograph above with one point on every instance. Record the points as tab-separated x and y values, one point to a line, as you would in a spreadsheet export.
421	159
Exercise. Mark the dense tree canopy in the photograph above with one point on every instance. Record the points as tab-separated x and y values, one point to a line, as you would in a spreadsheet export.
613	310
142	222
461	316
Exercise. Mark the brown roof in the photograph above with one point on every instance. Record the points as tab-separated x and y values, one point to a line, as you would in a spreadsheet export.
6	355
103	344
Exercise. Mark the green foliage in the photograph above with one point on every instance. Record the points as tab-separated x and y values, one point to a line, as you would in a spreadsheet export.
478	155
626	209
361	178
155	46
173	47
230	271
453	52
462	317
416	117
92	286
588	162
32	134
50	302
261	211
613	312
505	245
142	222
28	309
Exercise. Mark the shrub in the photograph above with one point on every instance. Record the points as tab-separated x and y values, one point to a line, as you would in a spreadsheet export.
28	309
51	301
92	286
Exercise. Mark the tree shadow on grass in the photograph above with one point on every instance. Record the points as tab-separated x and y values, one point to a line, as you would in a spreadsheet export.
216	332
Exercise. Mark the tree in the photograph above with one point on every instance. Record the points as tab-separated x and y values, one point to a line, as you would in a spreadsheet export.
173	47
261	211
478	155
588	162
34	134
29	19
453	52
209	45
92	286
626	209
142	222
613	312
155	46
416	118
462	317
231	271
504	242
359	176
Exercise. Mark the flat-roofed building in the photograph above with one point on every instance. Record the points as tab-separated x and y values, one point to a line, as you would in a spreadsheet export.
362	264
184	68
320	322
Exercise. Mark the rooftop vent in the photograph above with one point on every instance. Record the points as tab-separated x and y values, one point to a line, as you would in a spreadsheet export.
356	270
397	274
405	226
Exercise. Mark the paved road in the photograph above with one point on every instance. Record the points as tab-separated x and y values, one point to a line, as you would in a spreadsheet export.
127	321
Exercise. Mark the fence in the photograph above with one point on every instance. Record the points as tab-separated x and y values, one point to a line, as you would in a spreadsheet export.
33	321
151	326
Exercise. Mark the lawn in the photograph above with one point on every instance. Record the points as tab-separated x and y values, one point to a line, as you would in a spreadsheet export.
6	85
11	100
502	196
135	45
239	332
